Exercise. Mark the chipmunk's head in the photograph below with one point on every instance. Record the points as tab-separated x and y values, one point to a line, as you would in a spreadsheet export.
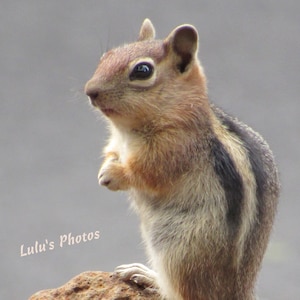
144	80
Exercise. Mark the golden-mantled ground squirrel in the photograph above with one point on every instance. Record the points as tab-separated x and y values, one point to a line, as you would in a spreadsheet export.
203	184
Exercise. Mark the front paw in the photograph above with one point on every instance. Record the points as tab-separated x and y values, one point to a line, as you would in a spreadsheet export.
111	175
104	178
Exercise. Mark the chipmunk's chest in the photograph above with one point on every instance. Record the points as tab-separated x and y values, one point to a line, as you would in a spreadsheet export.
125	143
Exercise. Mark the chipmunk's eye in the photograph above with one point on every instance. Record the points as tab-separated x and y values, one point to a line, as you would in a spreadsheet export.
141	71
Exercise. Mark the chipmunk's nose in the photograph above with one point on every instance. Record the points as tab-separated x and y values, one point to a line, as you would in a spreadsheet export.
92	91
92	94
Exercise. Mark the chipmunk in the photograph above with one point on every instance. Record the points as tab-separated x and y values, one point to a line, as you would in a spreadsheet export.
205	185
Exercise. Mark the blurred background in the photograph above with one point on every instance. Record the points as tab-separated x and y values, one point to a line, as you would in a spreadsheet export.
51	139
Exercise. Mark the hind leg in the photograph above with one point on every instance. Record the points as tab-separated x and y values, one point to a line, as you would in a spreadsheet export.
139	274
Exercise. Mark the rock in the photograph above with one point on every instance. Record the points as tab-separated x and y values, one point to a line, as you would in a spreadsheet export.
97	285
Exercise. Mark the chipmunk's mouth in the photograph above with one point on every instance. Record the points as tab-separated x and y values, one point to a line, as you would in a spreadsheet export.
108	111
105	110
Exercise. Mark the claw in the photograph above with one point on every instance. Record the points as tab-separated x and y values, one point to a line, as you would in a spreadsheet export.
139	274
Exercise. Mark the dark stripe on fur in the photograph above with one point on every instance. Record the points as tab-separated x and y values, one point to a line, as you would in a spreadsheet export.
254	146
230	180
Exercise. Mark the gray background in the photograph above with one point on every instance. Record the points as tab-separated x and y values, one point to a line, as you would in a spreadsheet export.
50	138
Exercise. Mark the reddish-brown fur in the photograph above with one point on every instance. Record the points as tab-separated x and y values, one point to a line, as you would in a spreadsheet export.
163	131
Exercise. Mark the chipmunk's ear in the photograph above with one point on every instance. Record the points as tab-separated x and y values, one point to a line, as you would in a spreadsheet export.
183	42
147	31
